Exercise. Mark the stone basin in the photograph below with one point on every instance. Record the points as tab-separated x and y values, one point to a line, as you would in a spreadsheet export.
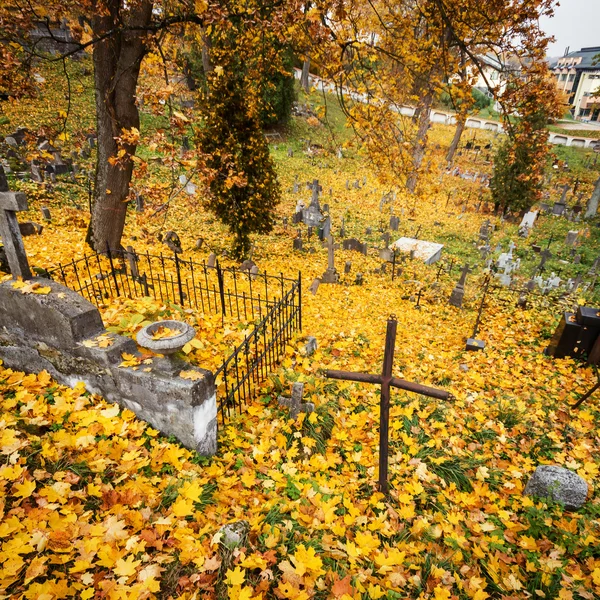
166	345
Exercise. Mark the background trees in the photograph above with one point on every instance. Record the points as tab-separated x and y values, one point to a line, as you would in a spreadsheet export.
520	161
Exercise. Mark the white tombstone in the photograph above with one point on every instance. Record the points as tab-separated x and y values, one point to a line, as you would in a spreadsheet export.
529	219
428	252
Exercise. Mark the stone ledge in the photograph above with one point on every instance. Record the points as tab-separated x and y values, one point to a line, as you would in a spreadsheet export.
46	332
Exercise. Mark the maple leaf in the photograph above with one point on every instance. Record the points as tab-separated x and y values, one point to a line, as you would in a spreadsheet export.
25	489
237	576
341	587
306	561
126	568
191	374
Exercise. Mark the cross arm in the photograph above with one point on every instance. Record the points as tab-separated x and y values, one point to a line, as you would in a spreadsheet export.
16	201
396	382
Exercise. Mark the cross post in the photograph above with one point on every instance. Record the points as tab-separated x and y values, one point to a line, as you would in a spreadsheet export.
386	381
10	204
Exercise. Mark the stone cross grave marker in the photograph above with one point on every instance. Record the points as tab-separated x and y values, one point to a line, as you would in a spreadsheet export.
10	204
458	293
295	403
385	380
330	275
316	188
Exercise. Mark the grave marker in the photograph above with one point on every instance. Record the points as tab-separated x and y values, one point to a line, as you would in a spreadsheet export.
10	204
386	380
295	403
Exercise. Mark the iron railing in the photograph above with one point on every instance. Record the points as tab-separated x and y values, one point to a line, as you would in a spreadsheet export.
273	303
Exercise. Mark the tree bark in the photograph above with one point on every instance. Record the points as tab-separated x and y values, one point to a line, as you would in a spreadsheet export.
117	60
461	121
420	144
304	78
592	206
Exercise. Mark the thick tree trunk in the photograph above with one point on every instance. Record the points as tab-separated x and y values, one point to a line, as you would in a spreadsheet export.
460	127
304	78
117	61
592	207
420	143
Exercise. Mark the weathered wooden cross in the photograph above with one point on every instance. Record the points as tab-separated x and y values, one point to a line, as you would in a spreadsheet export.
11	203
386	381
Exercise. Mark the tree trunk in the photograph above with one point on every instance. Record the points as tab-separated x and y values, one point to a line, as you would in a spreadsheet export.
460	127
117	61
206	45
592	206
420	144
304	78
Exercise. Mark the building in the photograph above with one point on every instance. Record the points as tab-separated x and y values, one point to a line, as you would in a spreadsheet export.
578	75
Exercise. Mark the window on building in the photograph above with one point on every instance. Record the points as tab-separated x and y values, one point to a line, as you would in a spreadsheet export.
563	77
584	112
572	77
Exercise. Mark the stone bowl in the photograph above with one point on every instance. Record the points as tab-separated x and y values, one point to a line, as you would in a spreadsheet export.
166	345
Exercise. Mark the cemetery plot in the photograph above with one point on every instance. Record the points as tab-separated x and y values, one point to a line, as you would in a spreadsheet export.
264	310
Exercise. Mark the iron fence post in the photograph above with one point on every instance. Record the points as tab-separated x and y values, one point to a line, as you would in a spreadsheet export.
300	300
178	270
221	287
112	268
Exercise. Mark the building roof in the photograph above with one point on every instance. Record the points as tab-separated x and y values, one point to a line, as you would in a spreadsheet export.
590	58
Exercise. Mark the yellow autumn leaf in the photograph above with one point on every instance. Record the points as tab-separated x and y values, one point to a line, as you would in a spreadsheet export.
127	567
25	489
237	576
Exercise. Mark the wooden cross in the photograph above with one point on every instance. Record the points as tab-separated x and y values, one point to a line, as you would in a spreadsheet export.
316	188
10	204
386	381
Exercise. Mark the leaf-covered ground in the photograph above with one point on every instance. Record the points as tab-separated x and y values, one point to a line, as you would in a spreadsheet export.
97	504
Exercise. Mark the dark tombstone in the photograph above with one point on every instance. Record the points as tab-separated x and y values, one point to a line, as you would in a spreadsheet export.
139	202
36	174
458	293
199	243
559	208
369	231
359	279
385	238
347	267
172	241
565	337
298	243
46	213
394	223
30	228
354	244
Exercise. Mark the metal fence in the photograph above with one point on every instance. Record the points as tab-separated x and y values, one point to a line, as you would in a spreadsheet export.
272	302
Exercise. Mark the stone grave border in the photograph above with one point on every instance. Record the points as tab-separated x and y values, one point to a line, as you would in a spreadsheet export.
272	304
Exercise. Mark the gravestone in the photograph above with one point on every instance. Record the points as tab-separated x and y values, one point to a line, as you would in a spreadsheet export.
10	204
30	228
298	242
314	286
295	403
458	293
46	213
139	202
330	275
394	223
559	208
428	252
347	267
571	238
354	244
212	259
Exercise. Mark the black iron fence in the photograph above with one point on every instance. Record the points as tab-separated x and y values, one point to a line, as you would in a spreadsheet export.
272	302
